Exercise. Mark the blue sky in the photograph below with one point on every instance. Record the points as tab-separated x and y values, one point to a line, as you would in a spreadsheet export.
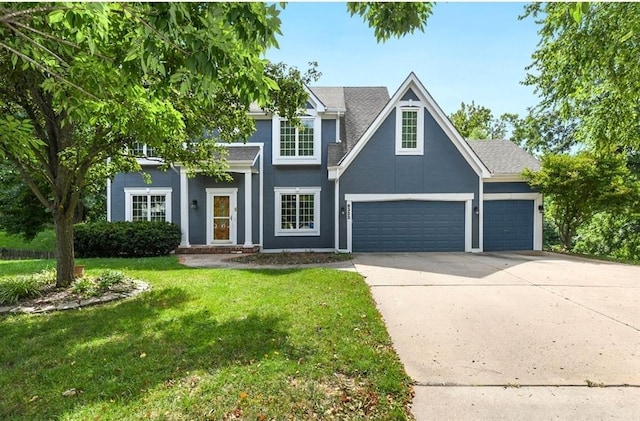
469	51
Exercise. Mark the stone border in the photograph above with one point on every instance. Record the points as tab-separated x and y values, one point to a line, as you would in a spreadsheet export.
70	305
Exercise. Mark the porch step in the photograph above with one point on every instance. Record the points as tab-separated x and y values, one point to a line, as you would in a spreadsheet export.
196	249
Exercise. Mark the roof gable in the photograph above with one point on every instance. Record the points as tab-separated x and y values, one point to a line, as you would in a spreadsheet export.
412	89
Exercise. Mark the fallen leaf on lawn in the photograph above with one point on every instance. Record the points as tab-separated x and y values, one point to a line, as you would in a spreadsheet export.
70	392
243	395
33	399
143	355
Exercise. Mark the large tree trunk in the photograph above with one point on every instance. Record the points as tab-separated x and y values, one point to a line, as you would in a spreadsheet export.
65	263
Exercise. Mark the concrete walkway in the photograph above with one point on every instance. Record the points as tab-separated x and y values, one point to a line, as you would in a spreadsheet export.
512	336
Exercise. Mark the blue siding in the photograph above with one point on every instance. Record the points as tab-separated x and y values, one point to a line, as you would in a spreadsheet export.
159	178
408	226
508	225
377	169
508	188
297	176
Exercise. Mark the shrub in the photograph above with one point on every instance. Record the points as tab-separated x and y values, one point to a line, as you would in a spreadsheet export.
15	288
109	278
126	239
85	287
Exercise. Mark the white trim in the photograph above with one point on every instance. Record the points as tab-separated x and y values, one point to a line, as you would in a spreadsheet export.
233	213
333	172
511	196
248	226
432	107
319	105
147	191
108	199
418	108
425	197
277	159
480	216
184	207
338	140
505	178
393	197
296	232
537	215
261	204
336	203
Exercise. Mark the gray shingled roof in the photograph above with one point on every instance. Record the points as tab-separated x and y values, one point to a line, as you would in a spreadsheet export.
503	157
242	153
331	96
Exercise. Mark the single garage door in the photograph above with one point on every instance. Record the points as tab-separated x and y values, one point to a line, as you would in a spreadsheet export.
407	226
508	225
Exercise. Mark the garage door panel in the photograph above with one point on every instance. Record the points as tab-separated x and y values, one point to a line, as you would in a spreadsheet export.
508	225
408	226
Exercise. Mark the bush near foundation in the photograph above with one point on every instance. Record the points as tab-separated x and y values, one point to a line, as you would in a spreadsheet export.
125	239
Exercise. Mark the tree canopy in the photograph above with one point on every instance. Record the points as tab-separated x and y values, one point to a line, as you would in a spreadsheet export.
477	122
585	69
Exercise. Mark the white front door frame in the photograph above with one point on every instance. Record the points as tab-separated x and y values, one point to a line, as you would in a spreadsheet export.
467	198
233	213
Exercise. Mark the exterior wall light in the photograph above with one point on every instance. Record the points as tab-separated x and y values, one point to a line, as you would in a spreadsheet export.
541	208
476	210
194	204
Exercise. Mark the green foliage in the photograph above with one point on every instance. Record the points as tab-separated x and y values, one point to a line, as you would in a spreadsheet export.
21	213
609	234
44	241
17	287
586	69
392	19
542	132
477	122
126	239
203	343
94	287
579	186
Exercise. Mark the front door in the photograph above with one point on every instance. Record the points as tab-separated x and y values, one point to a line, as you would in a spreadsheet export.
221	216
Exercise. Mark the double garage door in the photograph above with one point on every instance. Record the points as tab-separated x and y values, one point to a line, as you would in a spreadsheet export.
408	226
396	226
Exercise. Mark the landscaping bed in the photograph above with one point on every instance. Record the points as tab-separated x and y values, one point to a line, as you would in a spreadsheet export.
284	259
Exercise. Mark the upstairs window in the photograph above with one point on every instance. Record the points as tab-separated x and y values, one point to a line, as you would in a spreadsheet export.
409	130
140	149
296	144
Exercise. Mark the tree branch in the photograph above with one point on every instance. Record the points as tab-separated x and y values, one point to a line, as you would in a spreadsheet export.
37	44
154	30
47	70
32	185
10	16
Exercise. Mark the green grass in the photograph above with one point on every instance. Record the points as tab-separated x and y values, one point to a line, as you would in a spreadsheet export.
205	344
44	241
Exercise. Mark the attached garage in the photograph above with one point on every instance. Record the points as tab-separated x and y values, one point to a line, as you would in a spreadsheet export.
408	225
508	225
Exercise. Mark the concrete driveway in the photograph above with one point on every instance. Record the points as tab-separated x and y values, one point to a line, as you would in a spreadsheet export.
512	336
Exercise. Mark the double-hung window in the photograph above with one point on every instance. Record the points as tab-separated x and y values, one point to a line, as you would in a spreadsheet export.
148	204
296	144
297	211
410	130
140	149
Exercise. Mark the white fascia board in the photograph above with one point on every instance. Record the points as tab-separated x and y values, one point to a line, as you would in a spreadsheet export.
334	172
435	110
512	196
505	178
392	197
319	106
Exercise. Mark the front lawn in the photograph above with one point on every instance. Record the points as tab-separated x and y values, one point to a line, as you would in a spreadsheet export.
205	344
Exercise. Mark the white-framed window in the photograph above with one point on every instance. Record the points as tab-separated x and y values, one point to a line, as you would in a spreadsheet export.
140	149
148	204
410	130
297	211
296	144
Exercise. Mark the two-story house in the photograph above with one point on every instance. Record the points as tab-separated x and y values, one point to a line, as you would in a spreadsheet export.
363	172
